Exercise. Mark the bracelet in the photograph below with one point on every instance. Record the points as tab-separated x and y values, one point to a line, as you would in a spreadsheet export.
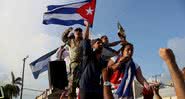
106	83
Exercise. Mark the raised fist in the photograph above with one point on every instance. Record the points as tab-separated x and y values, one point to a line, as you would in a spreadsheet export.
166	54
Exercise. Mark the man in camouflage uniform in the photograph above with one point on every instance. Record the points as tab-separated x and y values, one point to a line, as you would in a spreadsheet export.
73	43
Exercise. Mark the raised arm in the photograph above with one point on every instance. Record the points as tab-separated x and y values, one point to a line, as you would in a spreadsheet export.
112	65
107	92
122	41
115	65
86	33
65	34
114	43
176	75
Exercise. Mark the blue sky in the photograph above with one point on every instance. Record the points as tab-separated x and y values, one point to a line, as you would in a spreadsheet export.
149	25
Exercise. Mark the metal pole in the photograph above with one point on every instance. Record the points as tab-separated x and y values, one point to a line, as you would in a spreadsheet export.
24	60
156	77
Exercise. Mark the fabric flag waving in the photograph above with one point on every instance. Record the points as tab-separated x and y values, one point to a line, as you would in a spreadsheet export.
70	14
41	64
125	87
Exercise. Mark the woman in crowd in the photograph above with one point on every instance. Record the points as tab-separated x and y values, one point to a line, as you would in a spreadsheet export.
124	70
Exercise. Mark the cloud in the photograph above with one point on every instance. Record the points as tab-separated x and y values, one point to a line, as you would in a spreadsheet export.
22	34
177	45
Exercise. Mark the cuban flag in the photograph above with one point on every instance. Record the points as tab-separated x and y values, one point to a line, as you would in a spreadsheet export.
41	64
70	14
125	88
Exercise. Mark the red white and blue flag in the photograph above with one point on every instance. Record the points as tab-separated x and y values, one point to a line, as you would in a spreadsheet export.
41	64
70	14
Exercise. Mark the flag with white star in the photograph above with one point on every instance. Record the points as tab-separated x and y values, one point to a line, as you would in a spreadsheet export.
70	14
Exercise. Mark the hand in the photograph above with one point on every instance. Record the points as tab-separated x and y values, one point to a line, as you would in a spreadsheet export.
70	29
86	23
167	54
124	59
155	87
117	53
123	41
147	86
121	36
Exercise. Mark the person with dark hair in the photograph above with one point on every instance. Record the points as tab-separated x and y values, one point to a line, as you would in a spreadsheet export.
106	43
169	58
124	70
108	52
91	86
73	43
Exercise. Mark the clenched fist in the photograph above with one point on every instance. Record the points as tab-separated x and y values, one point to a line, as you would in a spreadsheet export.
167	54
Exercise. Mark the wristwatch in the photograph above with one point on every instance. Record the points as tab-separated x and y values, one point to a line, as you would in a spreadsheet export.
106	83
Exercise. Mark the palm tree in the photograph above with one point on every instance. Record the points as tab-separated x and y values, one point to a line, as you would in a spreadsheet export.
12	90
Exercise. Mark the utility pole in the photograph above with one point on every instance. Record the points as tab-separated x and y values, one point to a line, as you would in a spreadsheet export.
24	60
156	76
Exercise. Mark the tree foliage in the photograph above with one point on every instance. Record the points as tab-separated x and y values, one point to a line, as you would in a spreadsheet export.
12	89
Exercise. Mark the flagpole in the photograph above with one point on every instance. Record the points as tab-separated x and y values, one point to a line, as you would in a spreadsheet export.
24	60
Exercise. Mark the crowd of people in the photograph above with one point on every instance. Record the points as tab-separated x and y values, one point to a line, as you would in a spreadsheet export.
100	72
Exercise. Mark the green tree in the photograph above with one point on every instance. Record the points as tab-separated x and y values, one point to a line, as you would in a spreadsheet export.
12	89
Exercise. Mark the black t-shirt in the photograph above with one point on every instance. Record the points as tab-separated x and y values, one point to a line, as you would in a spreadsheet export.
92	69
